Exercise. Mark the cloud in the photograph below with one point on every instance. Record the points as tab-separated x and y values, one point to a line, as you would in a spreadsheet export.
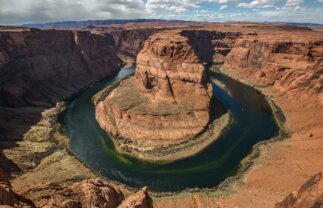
27	11
294	2
223	7
258	4
225	1
171	5
39	11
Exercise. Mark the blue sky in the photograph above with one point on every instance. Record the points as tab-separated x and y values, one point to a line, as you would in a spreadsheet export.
31	11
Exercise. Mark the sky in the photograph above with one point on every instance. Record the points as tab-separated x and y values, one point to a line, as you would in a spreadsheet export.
15	12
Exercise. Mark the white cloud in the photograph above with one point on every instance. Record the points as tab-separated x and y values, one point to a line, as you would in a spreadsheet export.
171	5
258	4
223	7
27	11
294	2
225	1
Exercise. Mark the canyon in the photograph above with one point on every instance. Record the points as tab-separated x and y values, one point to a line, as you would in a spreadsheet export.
42	67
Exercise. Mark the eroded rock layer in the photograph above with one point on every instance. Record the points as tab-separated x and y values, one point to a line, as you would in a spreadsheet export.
86	193
166	103
39	68
281	60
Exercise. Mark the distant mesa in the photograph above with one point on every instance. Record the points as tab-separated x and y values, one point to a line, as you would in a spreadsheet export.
92	23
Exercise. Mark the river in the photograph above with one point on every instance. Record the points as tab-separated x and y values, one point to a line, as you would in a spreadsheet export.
253	122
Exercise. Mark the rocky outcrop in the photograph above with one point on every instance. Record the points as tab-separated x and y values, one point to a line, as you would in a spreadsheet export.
169	67
39	68
309	195
281	61
87	194
8	198
138	200
99	194
167	103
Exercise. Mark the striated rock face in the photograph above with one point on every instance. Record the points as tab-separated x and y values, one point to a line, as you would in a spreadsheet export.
281	61
131	41
39	68
87	194
99	194
8	198
169	66
166	103
211	45
309	195
138	200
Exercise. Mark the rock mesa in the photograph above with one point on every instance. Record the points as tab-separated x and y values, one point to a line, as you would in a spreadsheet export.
165	104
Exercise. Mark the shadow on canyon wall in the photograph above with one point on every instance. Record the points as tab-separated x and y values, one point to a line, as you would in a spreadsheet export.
209	44
39	68
14	123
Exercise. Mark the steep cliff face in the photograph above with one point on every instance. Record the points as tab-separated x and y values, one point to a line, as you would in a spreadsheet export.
211	45
169	66
281	61
166	103
131	41
39	68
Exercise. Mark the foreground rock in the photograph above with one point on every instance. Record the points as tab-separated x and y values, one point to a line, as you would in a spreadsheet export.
87	194
309	195
8	198
156	114
138	200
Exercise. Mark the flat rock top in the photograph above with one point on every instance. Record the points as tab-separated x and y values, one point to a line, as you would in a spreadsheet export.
129	97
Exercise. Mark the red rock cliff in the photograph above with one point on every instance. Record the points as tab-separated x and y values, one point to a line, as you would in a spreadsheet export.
280	60
170	67
39	68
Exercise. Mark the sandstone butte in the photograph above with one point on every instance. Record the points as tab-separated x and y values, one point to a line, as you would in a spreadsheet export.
41	67
162	113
